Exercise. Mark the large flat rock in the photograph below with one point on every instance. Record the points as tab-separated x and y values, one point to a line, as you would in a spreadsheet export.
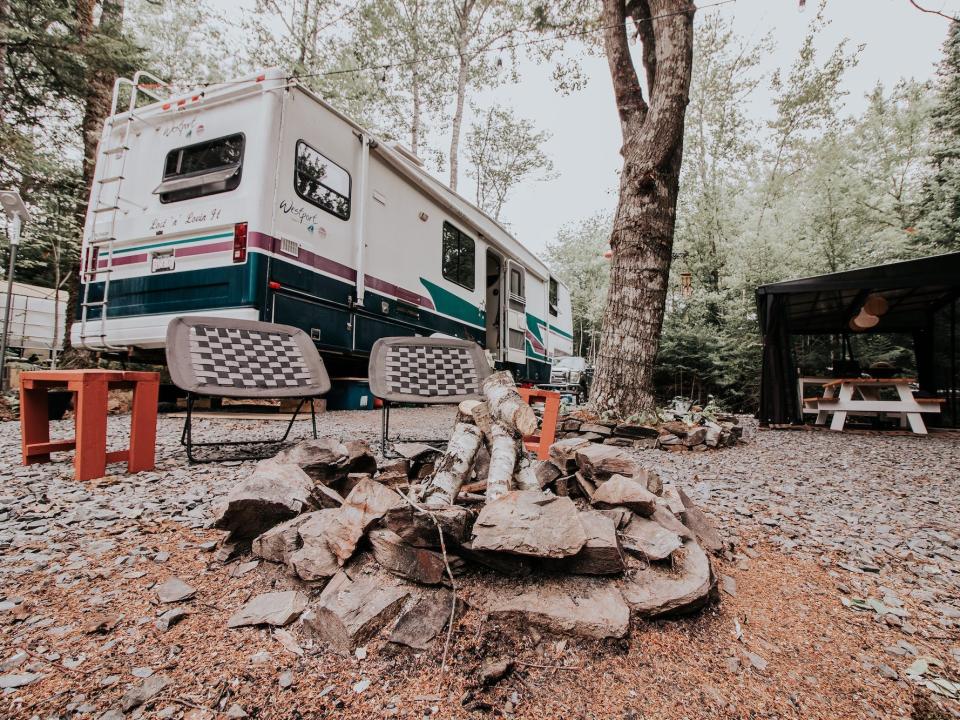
411	563
423	621
665	591
601	554
275	608
350	612
416	526
695	519
589	610
621	491
328	460
272	493
367	502
648	539
598	462
279	542
530	523
314	560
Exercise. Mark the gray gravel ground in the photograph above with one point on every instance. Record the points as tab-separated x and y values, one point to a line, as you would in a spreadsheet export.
881	512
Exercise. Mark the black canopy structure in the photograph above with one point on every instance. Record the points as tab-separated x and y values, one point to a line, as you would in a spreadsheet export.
922	301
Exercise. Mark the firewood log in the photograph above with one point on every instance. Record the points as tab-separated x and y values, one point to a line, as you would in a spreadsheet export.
503	459
526	478
465	411
454	467
506	405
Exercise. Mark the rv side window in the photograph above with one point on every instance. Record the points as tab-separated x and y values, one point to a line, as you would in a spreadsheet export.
516	282
321	182
458	257
205	168
554	297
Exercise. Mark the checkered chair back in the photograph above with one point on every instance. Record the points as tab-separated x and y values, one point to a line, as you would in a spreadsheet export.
241	358
427	370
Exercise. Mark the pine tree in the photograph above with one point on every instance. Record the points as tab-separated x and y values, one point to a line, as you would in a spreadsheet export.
939	227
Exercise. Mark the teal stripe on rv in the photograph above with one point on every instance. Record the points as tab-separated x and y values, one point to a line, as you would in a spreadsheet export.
171	243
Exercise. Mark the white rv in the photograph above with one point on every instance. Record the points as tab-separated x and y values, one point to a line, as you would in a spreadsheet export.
256	199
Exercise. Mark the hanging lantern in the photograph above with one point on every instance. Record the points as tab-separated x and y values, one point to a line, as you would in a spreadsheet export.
876	305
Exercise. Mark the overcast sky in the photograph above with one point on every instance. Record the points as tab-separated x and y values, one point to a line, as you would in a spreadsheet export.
899	41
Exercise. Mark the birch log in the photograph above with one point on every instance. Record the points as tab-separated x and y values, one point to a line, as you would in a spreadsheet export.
454	466
526	478
507	406
503	460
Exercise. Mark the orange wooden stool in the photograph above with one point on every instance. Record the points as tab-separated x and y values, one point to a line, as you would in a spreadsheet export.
90	389
548	427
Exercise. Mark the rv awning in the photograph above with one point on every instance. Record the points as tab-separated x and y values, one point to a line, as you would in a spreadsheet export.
186	183
916	291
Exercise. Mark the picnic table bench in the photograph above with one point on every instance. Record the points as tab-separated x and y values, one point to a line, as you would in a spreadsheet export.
861	396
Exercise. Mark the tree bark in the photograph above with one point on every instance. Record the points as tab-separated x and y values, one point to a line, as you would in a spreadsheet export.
642	237
457	123
454	466
506	405
504	449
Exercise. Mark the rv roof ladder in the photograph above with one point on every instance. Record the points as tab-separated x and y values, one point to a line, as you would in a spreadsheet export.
98	257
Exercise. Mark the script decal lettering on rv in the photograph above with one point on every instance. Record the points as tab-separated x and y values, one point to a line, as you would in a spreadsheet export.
191	218
183	128
300	212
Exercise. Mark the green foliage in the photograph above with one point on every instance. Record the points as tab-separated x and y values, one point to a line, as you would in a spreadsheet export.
939	207
504	152
47	61
576	256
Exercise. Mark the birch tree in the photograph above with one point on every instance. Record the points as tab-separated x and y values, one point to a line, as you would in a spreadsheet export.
642	238
504	151
476	28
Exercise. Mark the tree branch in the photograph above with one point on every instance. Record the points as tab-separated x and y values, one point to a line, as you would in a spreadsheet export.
932	12
626	86
640	12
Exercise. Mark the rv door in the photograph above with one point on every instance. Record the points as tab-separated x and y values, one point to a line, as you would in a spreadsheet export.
515	311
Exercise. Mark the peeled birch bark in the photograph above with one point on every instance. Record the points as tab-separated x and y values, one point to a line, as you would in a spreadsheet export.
507	406
503	460
454	466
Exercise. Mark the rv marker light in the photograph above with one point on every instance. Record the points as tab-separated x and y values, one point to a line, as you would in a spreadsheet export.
240	242
274	285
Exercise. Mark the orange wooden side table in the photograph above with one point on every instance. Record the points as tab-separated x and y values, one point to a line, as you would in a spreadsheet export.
548	427
90	390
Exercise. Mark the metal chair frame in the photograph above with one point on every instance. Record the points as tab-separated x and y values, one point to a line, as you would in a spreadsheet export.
186	437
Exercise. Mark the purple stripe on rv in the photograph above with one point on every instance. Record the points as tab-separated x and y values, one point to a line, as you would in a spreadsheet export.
270	244
124	260
262	241
398	292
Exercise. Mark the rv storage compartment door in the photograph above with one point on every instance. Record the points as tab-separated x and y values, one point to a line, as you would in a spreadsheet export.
516	313
329	326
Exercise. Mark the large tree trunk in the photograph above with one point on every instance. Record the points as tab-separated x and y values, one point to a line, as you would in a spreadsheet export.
642	238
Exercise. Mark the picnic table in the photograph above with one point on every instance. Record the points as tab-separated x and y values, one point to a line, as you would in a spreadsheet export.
861	396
